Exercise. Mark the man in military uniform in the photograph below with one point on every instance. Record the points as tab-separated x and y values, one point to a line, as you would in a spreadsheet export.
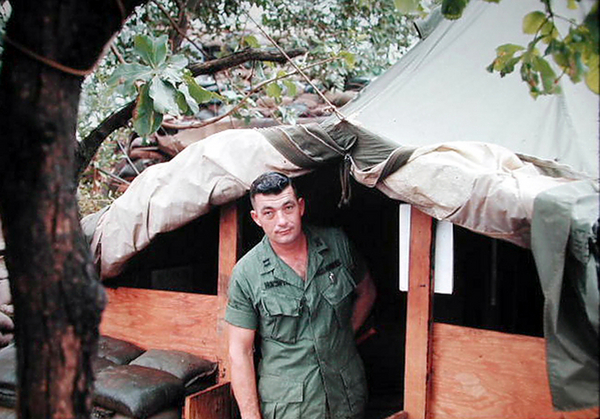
306	292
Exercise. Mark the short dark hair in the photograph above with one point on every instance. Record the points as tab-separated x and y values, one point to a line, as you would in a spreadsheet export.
270	183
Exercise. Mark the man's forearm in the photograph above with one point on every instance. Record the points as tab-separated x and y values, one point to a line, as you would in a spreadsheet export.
243	382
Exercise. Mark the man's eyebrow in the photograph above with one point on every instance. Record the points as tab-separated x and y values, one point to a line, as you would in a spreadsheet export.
271	207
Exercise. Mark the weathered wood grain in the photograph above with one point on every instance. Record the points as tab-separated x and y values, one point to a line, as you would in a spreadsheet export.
485	374
418	317
163	320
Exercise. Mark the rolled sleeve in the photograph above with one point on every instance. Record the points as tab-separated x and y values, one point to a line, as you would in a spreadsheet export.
240	310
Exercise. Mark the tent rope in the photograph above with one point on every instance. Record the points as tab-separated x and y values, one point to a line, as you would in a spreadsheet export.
47	61
54	64
334	109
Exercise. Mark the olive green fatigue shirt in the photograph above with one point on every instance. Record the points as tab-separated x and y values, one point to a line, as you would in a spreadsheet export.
310	367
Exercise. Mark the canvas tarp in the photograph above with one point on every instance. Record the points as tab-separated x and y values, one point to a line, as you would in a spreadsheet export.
452	181
565	248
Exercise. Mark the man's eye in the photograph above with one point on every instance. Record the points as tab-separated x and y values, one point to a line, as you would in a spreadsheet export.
268	214
288	208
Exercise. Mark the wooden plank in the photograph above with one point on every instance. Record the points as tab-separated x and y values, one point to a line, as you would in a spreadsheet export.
418	317
212	403
162	320
229	251
485	374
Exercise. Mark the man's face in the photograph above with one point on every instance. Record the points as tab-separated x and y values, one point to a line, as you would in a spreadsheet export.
280	216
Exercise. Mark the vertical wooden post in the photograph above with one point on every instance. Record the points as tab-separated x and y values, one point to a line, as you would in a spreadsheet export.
418	317
229	250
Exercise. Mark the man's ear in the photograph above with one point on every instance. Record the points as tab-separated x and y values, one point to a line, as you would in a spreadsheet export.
301	205
254	216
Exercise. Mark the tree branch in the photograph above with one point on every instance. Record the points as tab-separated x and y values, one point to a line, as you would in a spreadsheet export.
244	99
87	147
249	54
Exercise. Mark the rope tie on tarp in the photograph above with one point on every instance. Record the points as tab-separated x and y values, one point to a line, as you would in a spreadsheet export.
312	145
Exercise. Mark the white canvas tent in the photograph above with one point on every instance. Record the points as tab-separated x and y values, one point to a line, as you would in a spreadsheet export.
436	131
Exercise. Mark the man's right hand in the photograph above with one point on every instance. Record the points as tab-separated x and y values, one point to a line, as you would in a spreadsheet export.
243	375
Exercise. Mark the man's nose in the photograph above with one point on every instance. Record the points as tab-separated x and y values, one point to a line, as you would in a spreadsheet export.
280	217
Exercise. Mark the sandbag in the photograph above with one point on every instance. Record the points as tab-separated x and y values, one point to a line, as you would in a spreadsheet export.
118	351
137	391
185	366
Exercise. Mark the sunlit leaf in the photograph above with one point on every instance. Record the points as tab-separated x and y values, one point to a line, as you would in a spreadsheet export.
164	96
549	32
145	119
407	6
509	49
290	87
349	58
199	93
251	41
274	90
572	4
532	22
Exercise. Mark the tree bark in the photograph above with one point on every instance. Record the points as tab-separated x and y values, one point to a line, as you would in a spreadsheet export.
57	297
88	146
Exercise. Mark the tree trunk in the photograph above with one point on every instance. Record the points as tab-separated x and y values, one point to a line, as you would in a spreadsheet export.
57	298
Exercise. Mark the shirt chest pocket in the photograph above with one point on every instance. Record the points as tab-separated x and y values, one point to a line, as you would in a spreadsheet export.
340	294
281	315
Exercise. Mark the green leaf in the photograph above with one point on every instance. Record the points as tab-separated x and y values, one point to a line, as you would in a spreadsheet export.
127	74
164	96
407	6
532	22
274	90
453	9
509	49
152	51
197	92
349	58
145	119
251	41
290	87
577	68
172	69
547	74
549	32
572	4
592	78
505	61
192	105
